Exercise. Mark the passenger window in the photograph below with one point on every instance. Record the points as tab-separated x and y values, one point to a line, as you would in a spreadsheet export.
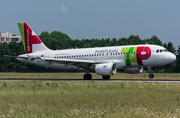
94	54
103	54
134	52
161	50
157	51
107	54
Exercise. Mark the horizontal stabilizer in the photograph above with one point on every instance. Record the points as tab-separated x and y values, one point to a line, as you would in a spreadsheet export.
10	56
22	56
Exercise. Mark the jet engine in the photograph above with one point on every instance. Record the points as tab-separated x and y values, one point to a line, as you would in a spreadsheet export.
134	70
106	68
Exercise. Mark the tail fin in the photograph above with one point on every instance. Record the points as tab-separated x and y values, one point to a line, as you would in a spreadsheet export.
31	41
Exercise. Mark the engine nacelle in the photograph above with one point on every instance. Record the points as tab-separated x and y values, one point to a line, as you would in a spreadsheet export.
106	68
134	70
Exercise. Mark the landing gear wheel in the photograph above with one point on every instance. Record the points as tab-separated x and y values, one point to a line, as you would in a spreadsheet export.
87	76
150	72
151	76
106	77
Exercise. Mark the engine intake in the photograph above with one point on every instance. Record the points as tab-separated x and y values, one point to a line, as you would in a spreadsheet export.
106	68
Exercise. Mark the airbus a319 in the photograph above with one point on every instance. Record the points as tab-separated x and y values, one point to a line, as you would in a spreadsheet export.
104	61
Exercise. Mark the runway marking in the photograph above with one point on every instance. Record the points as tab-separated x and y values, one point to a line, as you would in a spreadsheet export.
93	80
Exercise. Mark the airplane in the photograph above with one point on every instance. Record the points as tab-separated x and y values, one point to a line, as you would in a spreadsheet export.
104	61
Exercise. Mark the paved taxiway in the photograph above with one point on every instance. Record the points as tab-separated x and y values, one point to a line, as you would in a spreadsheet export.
93	80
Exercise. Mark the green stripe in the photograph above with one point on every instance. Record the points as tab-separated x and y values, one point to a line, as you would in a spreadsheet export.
21	29
126	56
129	58
133	58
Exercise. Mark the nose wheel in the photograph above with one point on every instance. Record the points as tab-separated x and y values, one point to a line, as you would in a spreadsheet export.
151	76
150	73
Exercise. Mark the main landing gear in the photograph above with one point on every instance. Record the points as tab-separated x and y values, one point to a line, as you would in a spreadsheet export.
105	77
87	76
150	73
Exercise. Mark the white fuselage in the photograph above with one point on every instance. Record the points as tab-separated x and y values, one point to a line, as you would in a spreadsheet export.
122	59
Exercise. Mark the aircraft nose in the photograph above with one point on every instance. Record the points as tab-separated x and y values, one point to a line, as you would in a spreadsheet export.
171	57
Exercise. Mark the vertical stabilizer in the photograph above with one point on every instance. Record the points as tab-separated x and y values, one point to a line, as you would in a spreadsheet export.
31	41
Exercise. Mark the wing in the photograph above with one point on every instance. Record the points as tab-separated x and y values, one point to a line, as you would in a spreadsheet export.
75	62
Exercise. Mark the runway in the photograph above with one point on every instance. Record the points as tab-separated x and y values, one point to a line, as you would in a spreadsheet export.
93	80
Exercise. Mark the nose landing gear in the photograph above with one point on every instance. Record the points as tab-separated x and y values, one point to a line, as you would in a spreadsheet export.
150	73
151	76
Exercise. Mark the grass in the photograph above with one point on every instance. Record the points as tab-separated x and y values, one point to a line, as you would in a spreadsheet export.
89	99
94	75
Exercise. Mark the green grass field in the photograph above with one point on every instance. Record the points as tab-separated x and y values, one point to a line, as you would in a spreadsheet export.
94	75
89	99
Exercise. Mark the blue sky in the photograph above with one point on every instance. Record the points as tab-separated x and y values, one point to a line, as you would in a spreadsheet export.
95	18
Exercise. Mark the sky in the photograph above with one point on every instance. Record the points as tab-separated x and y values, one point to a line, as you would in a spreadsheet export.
95	18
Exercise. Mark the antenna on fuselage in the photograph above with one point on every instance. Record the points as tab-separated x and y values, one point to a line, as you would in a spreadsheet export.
146	43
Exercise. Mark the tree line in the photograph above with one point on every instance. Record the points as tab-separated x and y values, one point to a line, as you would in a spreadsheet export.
58	40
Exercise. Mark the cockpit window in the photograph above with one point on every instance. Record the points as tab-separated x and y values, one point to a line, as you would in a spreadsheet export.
161	50
165	50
